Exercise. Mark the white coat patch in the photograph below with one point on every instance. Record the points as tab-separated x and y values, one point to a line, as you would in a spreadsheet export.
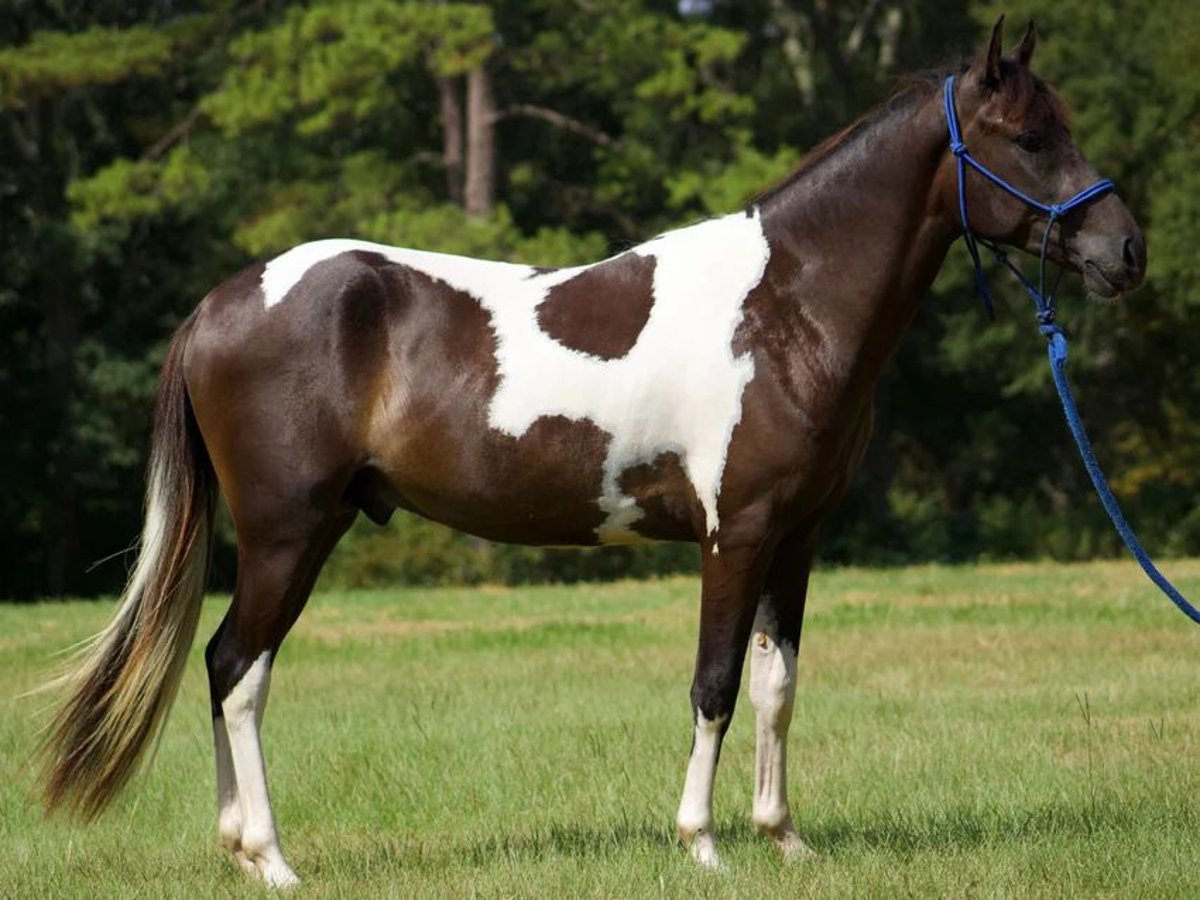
679	389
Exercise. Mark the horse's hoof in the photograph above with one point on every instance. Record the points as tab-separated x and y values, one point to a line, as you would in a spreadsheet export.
703	850
245	863
792	849
786	841
278	875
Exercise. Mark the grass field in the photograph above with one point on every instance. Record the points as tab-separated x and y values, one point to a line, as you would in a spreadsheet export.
999	730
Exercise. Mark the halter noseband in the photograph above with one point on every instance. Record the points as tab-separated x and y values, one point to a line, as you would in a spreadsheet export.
1043	301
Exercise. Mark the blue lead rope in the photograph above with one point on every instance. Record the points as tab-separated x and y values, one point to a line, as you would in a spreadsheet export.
1058	368
1043	302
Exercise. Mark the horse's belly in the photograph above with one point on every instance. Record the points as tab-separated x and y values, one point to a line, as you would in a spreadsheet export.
551	485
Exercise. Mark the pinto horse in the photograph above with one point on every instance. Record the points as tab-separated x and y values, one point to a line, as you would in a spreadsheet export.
712	385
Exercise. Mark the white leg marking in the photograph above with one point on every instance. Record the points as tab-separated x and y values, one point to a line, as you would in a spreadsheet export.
229	807
695	820
243	710
773	693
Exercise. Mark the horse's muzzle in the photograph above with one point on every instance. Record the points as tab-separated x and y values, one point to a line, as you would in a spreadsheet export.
1118	271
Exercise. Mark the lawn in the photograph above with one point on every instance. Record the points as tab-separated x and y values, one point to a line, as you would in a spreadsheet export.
995	730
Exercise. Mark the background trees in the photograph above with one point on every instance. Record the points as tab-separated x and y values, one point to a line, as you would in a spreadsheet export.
147	150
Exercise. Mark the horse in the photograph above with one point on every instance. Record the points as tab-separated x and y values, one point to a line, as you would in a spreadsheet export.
712	385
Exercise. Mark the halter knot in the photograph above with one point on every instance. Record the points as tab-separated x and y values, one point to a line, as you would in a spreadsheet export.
958	148
1055	210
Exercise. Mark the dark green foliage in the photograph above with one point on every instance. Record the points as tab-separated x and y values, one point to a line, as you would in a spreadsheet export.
148	150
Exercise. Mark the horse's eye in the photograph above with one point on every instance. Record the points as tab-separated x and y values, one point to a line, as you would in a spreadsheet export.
1029	141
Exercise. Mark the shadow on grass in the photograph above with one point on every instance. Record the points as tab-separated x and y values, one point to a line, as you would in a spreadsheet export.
575	840
368	854
971	827
902	834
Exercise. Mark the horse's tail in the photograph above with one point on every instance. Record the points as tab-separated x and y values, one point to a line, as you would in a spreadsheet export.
122	682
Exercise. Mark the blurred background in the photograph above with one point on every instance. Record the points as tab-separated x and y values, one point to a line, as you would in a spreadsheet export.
148	150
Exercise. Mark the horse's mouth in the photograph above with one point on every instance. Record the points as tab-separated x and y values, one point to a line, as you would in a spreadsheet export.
1098	283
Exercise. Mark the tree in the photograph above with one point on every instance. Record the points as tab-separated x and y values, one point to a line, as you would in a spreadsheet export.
58	92
149	149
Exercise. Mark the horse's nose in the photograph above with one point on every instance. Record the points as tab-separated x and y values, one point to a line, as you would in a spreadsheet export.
1133	254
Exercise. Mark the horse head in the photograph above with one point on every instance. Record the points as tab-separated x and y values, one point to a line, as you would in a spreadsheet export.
1016	125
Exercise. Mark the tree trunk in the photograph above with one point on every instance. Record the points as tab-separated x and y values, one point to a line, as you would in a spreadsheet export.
480	190
57	295
841	85
450	98
789	23
62	337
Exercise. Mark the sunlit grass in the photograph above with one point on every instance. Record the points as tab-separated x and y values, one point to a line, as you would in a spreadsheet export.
996	730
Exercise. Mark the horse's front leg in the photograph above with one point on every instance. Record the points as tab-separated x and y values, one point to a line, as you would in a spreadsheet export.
732	583
773	650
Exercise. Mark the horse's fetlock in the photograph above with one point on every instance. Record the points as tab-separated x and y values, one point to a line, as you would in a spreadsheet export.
230	836
772	819
258	843
229	827
691	824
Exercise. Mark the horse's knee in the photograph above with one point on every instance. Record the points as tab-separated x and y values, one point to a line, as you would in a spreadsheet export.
714	692
772	677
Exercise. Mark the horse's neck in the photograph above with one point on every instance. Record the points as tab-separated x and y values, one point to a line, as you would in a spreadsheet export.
862	239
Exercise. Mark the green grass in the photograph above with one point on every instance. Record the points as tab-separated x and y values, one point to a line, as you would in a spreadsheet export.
997	730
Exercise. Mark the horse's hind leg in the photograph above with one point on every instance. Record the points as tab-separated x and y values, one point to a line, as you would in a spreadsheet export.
773	650
229	806
274	581
731	585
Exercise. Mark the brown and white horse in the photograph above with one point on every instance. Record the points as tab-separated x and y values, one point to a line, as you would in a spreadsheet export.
711	385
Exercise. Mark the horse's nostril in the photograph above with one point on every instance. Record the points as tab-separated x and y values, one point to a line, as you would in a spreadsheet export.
1133	252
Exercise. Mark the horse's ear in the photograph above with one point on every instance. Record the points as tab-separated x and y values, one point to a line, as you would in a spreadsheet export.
1025	51
990	80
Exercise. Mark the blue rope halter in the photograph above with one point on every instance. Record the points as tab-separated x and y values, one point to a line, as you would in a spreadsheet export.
1044	305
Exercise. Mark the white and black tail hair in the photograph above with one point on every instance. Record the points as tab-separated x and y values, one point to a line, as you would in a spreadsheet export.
122	682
